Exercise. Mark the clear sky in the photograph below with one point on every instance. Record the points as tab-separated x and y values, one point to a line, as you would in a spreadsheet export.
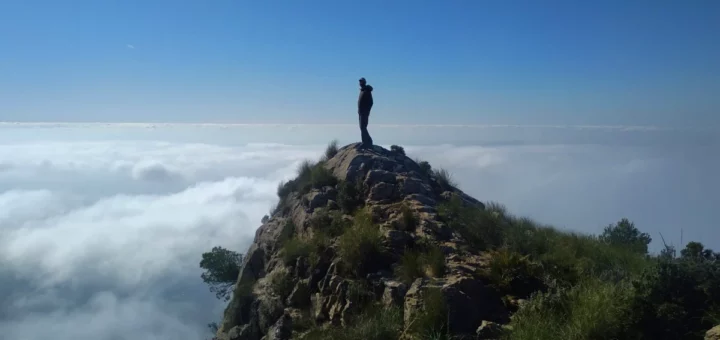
645	62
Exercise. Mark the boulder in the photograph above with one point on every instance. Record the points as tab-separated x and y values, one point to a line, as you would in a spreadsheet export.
713	333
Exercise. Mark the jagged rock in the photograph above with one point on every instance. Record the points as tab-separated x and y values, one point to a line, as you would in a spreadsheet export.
489	330
244	332
713	333
322	291
397	240
382	192
412	186
282	329
394	294
268	308
465	299
379	176
300	295
316	199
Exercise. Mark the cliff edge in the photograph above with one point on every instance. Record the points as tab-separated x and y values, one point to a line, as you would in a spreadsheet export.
357	232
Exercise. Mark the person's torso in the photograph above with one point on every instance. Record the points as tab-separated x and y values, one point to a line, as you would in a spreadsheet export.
365	99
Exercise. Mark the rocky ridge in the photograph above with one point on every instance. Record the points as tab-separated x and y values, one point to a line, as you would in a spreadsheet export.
282	292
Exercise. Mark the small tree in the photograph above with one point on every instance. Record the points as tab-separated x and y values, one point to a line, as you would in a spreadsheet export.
625	234
222	268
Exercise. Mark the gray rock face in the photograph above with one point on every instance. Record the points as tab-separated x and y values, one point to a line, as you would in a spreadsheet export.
322	286
713	333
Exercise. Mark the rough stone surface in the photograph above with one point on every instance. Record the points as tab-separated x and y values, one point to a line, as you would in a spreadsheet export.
489	330
300	295
394	293
389	180
713	333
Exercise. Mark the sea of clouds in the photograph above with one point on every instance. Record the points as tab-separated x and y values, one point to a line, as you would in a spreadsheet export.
102	225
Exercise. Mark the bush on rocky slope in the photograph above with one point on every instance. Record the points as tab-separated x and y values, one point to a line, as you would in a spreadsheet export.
368	244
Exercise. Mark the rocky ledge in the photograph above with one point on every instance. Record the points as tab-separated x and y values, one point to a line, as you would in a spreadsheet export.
338	244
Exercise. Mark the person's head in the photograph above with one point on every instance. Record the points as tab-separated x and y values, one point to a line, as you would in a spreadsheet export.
362	81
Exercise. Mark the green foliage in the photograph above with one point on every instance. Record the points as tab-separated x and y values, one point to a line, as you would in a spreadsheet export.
409	220
444	178
360	246
373	323
592	309
422	261
295	248
624	234
483	229
695	251
331	150
432	321
280	282
330	223
350	196
222	267
425	167
514	273
676	299
309	176
397	149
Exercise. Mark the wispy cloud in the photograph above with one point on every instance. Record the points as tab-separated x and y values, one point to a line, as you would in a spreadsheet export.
82	222
132	47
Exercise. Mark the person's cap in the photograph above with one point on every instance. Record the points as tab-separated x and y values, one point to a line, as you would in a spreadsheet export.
362	79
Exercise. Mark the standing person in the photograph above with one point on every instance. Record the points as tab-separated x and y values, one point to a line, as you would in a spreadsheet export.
365	103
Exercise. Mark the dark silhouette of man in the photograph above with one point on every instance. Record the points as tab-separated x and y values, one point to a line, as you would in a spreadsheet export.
365	103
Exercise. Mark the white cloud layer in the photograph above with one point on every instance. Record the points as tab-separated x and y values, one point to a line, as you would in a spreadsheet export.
101	229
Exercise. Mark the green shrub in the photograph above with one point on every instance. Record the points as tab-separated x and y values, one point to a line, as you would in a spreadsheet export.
295	248
330	223
331	150
482	228
397	149
360	246
514	273
676	300
421	261
425	167
409	220
321	177
350	196
280	282
432	321
590	310
624	234
309	176
444	178
373	323
221	269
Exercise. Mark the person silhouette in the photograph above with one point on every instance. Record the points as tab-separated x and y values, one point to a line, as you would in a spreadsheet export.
365	103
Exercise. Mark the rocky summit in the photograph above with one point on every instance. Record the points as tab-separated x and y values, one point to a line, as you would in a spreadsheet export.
330	251
367	243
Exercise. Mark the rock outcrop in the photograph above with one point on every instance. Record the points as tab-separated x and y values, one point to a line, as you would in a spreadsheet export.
713	333
283	286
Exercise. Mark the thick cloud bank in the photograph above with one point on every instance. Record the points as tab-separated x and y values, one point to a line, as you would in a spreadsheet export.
101	228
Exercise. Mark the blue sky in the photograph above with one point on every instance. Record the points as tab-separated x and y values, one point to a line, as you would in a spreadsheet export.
453	62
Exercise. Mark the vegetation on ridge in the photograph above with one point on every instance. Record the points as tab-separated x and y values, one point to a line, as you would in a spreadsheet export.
557	284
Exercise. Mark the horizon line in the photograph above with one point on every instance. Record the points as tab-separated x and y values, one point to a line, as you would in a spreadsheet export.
209	124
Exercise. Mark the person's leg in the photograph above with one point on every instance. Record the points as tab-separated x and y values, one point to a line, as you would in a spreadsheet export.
363	128
369	139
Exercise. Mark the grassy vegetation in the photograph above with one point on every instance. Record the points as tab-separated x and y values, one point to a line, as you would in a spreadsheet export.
373	323
577	286
422	261
397	149
280	282
409	220
444	179
360	247
331	150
